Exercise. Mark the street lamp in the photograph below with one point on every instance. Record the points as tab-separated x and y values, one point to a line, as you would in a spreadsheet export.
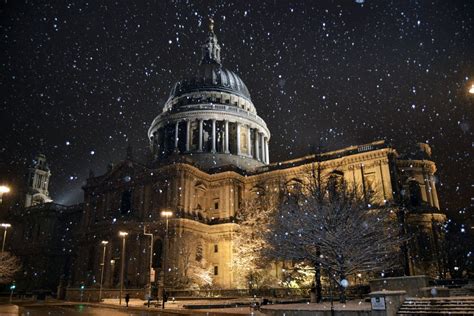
150	280
123	235
104	243
3	189
166	215
5	226
471	89
112	272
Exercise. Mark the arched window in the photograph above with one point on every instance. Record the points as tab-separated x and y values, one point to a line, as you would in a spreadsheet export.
334	185
199	252
126	203
294	187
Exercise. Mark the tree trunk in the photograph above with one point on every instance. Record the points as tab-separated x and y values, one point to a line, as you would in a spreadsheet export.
342	290
317	276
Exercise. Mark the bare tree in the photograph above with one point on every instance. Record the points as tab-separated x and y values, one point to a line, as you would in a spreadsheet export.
192	271
339	231
9	265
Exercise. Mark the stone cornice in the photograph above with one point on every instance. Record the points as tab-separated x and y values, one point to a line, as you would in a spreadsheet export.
367	159
426	165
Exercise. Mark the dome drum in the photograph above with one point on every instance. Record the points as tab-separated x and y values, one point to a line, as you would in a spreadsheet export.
200	132
209	97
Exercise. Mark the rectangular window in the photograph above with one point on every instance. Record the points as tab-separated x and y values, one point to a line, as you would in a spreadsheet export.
216	205
216	270
216	248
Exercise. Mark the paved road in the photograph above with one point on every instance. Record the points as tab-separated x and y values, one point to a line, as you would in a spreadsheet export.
74	310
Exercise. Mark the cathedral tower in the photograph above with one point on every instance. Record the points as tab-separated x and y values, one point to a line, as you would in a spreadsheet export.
38	182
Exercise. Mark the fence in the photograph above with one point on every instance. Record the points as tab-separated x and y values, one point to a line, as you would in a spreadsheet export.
351	292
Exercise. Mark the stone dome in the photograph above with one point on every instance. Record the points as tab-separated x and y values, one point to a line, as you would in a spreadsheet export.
211	77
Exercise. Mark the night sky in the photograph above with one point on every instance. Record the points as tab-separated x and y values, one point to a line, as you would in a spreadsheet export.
79	81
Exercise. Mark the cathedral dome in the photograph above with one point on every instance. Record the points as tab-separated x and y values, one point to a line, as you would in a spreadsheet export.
211	77
210	118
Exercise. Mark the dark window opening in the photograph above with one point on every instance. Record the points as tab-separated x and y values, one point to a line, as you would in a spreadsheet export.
126	203
415	193
216	270
157	254
216	205
199	255
216	248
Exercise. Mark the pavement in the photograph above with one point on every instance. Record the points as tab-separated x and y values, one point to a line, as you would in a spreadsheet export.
178	307
9	310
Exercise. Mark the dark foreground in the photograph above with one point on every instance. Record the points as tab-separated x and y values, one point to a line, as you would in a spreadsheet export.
76	310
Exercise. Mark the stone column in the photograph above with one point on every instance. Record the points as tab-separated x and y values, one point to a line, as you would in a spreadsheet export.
257	141
200	135
434	193
213	136
428	192
262	152
226	136
249	141
188	134
238	138
166	137
176	138
267	157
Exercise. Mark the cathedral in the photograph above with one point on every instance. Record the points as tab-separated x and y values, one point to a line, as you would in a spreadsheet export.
160	221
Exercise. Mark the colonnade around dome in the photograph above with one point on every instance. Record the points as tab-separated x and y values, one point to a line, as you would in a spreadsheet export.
210	136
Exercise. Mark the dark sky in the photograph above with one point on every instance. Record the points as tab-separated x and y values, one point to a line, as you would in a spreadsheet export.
80	80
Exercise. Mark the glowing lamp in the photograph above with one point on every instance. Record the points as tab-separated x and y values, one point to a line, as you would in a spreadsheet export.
4	189
166	213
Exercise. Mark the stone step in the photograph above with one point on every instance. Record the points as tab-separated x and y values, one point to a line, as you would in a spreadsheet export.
461	305
433	313
438	304
435	309
457	298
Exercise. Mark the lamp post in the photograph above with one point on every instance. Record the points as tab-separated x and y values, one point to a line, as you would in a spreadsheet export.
3	189
123	235
112	272
5	226
150	280
166	215
104	243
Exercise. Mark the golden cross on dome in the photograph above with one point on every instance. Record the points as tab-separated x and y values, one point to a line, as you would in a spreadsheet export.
211	25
